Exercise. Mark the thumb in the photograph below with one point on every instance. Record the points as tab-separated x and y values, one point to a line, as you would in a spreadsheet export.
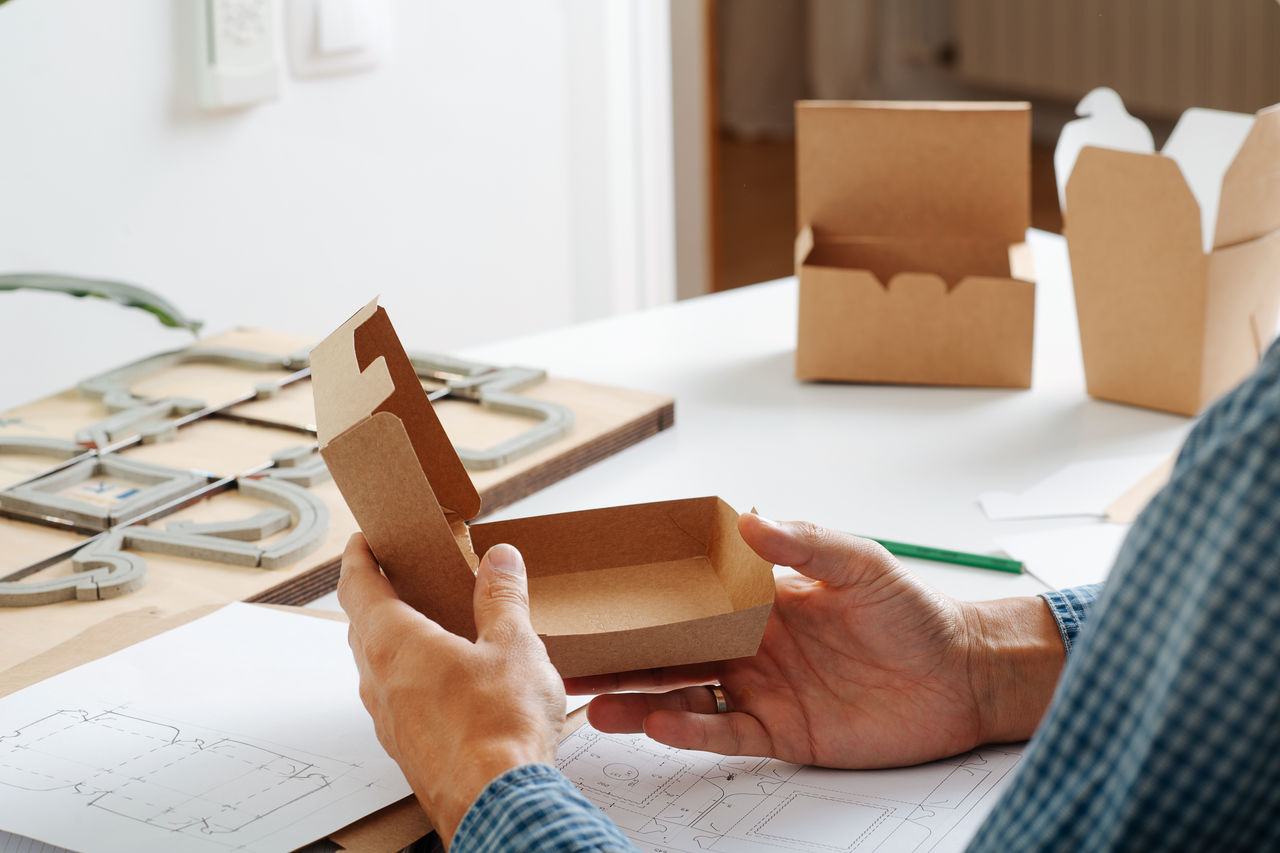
501	599
835	558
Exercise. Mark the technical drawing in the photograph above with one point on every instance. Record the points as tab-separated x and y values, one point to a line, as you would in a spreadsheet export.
671	800
154	773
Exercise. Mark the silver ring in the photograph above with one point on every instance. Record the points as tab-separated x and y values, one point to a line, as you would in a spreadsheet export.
722	707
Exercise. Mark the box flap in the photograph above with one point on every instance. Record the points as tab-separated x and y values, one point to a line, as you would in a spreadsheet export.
1103	123
1133	232
362	369
1203	144
374	467
1250	204
914	330
914	169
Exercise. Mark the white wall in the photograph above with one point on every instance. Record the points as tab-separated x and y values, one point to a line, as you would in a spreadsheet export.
440	180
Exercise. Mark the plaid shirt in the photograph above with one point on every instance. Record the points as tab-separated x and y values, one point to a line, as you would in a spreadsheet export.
1164	733
535	808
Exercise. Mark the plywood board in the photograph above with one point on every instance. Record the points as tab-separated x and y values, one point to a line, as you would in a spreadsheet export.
606	420
174	584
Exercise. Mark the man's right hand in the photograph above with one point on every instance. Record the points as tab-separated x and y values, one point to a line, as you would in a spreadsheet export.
861	665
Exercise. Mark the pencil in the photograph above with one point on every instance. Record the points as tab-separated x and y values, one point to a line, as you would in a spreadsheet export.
943	555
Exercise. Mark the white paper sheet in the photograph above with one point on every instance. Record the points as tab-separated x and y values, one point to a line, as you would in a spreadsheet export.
1084	489
242	730
10	843
1069	556
669	800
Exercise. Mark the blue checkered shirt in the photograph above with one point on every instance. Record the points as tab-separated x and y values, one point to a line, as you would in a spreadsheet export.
535	808
1164	733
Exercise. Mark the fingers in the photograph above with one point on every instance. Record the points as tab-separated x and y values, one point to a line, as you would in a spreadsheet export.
501	597
371	604
626	712
728	734
684	718
825	555
361	584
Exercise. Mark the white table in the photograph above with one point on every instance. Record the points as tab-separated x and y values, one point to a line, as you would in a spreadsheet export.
895	462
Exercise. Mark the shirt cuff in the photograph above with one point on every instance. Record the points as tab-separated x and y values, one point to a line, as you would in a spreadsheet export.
535	808
1071	608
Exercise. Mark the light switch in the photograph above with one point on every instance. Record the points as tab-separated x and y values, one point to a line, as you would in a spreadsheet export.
337	36
342	26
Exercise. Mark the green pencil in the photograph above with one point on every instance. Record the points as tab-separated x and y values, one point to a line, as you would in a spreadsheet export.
943	555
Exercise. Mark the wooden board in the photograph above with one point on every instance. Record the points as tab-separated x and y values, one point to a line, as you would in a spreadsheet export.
606	420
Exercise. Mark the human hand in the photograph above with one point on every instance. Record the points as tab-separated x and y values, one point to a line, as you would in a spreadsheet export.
861	665
453	714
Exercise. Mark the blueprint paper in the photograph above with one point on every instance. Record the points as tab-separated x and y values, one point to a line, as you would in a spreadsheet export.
1082	489
1069	556
669	800
241	730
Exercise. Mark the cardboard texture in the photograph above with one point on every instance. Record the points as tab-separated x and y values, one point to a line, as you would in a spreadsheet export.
908	213
1176	308
612	589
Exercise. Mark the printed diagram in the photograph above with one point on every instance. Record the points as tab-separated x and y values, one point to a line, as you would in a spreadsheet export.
155	773
670	800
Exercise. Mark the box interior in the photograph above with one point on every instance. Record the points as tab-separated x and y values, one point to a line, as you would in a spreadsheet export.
950	259
621	568
622	598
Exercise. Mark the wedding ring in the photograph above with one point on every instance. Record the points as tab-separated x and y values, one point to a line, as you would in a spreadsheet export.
717	693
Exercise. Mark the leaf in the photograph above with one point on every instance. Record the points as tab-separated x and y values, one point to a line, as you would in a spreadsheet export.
128	295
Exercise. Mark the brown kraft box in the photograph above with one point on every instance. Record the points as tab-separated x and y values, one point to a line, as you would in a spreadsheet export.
611	590
908	212
1174	311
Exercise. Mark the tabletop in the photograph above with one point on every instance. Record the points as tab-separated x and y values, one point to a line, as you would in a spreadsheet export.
894	462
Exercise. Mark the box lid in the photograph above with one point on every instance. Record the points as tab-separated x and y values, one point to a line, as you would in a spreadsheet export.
914	169
1250	203
361	370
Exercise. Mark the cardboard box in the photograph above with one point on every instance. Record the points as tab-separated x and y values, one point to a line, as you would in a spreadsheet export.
1175	257
613	589
908	213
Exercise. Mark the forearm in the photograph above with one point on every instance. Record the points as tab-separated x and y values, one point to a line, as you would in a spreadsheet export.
447	796
1016	657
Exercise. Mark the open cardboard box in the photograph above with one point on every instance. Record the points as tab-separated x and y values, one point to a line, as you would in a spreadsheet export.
611	590
1175	256
908	215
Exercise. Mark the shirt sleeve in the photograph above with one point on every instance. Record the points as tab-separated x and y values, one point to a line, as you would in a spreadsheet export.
1164	731
534	808
1071	608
